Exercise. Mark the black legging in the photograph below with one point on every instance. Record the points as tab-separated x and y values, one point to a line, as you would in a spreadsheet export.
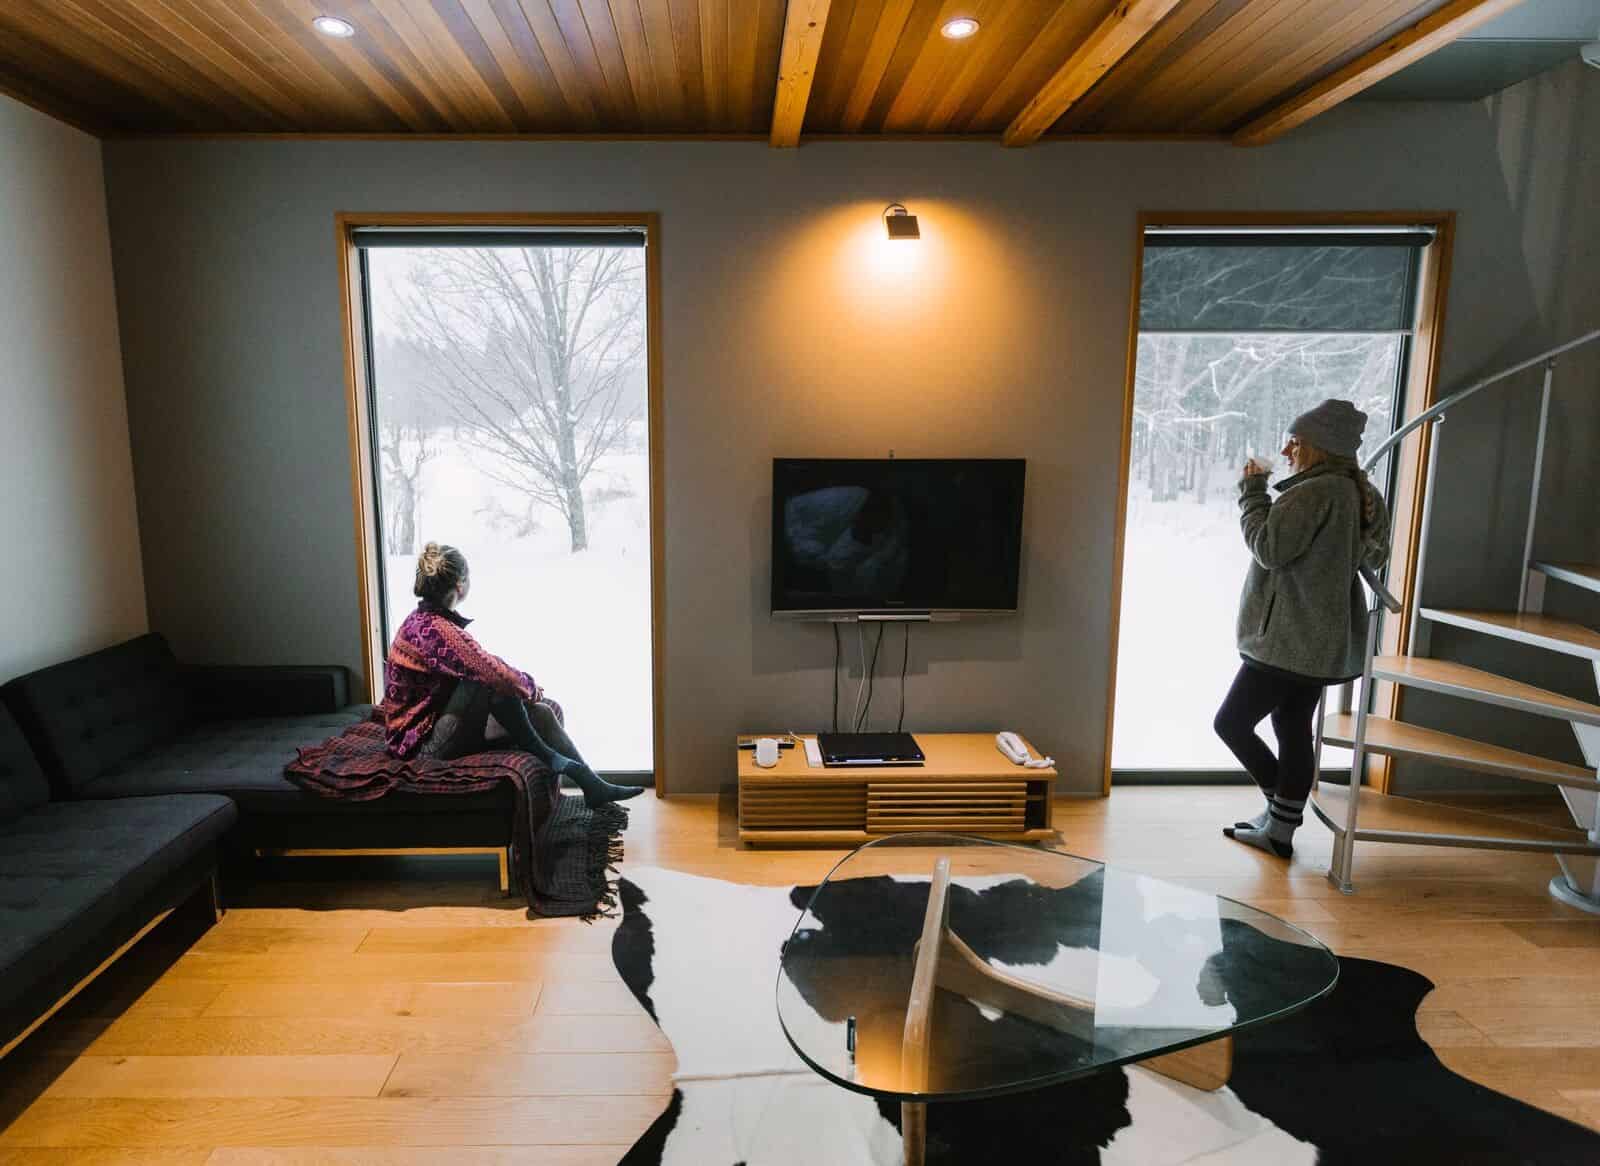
462	727
1292	703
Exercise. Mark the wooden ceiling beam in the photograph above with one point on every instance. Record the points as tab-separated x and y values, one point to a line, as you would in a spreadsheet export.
1112	39
1405	47
803	25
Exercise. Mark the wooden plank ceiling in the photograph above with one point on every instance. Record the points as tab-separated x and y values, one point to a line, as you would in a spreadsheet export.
712	67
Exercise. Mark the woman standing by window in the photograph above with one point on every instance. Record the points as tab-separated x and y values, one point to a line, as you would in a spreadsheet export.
1302	618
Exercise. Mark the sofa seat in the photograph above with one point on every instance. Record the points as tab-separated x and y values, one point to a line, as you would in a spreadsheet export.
71	871
244	760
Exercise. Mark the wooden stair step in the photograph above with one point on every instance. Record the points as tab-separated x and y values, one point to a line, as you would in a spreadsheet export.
1585	575
1452	679
1385	818
1398	739
1525	627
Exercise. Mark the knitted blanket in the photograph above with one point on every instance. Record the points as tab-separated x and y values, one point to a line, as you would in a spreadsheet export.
560	852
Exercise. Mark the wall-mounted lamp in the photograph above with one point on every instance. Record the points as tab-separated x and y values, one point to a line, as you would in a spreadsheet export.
900	223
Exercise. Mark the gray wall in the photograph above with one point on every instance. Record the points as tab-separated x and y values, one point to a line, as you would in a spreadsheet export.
1547	140
783	335
69	533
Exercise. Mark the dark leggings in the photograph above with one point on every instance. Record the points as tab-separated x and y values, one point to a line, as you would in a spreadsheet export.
462	727
1292	704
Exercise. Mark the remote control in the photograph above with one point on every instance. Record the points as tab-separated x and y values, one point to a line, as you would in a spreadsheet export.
813	753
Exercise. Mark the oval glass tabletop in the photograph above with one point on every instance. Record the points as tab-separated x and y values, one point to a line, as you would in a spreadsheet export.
932	967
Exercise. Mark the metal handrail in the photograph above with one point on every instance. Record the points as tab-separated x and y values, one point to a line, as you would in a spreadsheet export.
1460	395
1436	412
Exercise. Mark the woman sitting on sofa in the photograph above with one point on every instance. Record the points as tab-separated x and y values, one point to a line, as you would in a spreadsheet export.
446	696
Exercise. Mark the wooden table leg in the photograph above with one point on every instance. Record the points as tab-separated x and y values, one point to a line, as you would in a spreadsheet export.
1207	1066
914	1131
914	1050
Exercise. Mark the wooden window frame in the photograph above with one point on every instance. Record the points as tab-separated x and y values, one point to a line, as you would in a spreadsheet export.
1419	392
358	398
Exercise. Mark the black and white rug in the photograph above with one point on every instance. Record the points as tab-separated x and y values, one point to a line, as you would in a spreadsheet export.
1347	1081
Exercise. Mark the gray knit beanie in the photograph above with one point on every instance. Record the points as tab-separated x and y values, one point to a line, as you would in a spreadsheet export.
1334	427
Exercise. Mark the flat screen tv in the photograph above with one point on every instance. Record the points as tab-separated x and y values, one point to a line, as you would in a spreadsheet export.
895	537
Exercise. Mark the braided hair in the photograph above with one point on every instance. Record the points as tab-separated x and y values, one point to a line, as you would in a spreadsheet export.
440	569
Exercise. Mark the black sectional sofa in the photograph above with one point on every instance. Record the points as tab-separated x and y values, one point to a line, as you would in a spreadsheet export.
122	773
81	879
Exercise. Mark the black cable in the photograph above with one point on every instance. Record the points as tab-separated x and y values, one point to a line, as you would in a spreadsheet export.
835	678
871	670
905	655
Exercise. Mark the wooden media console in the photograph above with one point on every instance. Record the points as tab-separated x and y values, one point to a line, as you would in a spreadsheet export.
966	786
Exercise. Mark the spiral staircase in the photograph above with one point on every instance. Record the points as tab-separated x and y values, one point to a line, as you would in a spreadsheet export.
1373	817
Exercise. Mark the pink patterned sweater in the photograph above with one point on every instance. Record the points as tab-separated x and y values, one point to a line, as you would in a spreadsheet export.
431	653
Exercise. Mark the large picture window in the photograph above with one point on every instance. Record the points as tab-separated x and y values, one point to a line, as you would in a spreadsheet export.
507	413
1238	333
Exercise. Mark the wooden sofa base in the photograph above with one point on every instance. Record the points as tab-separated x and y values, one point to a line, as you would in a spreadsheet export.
503	852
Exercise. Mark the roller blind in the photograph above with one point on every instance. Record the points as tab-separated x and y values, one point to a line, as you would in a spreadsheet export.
371	237
1280	281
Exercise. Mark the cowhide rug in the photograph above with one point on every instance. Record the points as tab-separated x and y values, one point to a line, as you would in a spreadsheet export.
1346	1081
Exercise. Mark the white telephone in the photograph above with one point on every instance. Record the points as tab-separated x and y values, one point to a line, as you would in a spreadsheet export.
1012	746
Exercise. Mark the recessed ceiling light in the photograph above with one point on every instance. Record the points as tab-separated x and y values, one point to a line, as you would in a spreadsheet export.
960	28
333	26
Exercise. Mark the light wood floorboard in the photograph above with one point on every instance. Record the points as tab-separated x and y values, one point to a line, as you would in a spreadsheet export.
423	1019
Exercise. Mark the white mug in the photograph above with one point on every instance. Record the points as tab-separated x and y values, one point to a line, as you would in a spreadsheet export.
767	752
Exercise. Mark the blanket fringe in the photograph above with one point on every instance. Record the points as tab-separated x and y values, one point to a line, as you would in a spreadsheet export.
605	853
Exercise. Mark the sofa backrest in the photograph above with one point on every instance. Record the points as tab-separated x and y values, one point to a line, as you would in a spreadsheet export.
22	783
89	715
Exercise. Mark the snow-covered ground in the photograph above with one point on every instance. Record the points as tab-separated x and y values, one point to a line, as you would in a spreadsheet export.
580	623
1184	564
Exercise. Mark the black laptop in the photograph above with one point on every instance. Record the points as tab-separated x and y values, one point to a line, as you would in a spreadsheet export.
869	749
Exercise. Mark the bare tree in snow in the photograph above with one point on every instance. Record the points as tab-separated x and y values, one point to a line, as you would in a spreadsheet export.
408	419
538	352
1235	343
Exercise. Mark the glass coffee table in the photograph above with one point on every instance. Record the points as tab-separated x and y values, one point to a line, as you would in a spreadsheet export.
936	967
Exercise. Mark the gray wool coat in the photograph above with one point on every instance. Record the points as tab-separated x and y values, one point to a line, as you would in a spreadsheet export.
1302	609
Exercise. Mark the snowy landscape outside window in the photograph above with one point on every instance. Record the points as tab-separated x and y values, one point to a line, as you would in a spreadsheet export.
509	418
1238	335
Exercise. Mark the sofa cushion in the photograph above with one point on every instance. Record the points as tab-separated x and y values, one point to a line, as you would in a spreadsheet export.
244	760
220	692
87	716
68	869
22	783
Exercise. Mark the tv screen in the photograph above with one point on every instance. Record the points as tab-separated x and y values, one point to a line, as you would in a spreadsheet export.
896	535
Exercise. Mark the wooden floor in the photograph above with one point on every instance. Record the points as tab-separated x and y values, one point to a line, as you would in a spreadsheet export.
423	1019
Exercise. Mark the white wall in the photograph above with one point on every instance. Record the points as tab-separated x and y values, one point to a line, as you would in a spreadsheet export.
69	533
781	336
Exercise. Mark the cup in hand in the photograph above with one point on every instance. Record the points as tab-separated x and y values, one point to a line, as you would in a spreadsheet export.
1261	464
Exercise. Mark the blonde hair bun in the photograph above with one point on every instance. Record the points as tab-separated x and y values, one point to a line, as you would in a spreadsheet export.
440	568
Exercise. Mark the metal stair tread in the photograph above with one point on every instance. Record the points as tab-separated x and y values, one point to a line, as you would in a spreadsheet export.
1383	816
1585	575
1453	679
1398	739
1543	631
